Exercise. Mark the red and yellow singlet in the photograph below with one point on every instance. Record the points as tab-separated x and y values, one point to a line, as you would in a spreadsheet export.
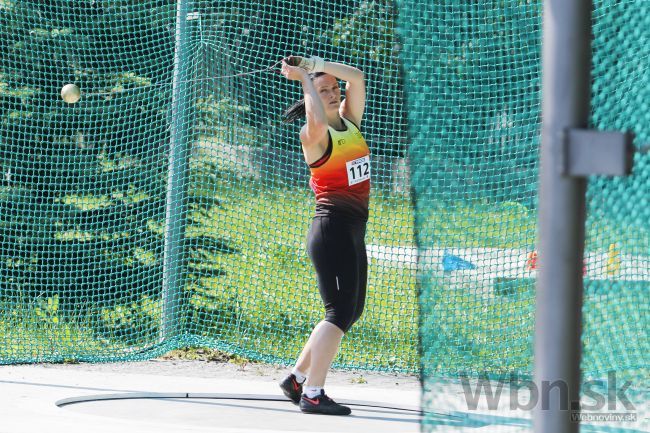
341	178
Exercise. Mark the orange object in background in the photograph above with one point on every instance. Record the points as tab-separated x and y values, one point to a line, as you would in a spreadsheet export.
531	263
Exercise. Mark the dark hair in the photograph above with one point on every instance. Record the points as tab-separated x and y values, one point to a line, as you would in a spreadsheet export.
297	109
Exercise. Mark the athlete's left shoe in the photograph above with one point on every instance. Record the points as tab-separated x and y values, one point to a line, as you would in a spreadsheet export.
322	404
291	388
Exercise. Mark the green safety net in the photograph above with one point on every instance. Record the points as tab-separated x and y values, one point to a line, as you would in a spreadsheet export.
169	206
472	79
151	215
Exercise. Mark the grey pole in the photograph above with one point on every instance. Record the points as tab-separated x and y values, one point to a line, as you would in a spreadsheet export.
569	154
177	179
566	63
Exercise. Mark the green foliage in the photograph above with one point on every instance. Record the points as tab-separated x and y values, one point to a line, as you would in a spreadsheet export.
47	310
223	121
477	126
75	212
369	32
132	324
43	332
366	38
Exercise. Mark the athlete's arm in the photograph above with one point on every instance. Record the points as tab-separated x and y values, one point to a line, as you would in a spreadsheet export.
354	103
315	130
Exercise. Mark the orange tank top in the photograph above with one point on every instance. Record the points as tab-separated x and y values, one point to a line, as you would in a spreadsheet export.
340	179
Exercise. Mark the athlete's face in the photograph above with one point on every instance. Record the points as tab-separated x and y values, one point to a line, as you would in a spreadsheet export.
329	91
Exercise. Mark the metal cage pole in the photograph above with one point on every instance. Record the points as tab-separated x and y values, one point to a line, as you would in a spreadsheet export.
570	153
566	63
177	178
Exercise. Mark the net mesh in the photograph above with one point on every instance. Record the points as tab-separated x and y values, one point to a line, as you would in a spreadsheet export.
86	203
150	216
472	75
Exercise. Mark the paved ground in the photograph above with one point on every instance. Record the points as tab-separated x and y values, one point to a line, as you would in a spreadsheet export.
33	397
30	393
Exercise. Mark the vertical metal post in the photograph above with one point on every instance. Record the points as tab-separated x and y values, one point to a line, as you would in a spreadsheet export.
566	63
177	178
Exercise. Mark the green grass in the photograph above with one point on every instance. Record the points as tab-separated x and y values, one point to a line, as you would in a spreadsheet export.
471	330
272	288
37	331
268	287
466	225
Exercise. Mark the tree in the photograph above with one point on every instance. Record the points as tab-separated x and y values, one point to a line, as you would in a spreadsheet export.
81	183
366	37
474	99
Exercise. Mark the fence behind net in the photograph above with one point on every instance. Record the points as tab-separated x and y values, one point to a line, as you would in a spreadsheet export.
84	200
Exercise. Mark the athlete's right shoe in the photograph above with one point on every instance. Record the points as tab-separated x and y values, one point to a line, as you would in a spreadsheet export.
291	388
322	404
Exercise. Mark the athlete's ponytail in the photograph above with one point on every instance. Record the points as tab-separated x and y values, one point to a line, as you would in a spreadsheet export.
295	112
297	109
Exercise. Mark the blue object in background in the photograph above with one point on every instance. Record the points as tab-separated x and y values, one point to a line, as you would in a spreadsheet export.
451	262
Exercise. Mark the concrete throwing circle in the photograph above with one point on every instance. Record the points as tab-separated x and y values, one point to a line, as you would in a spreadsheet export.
254	413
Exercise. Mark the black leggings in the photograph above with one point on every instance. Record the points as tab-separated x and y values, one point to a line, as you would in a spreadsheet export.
337	249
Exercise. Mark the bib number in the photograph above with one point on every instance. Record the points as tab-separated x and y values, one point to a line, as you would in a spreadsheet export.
358	170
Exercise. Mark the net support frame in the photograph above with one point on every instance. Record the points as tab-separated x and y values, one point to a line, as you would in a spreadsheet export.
177	177
566	80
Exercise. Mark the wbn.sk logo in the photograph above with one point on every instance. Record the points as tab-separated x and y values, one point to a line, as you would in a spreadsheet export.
596	400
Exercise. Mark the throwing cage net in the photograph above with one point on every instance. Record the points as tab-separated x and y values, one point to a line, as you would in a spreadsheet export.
472	76
170	205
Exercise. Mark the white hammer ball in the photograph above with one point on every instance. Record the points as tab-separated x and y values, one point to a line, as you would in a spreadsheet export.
70	93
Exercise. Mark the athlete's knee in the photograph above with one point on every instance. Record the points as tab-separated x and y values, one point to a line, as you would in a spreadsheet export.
358	307
356	316
336	323
342	316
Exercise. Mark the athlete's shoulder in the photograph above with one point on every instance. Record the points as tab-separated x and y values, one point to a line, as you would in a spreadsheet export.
353	122
349	116
310	140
